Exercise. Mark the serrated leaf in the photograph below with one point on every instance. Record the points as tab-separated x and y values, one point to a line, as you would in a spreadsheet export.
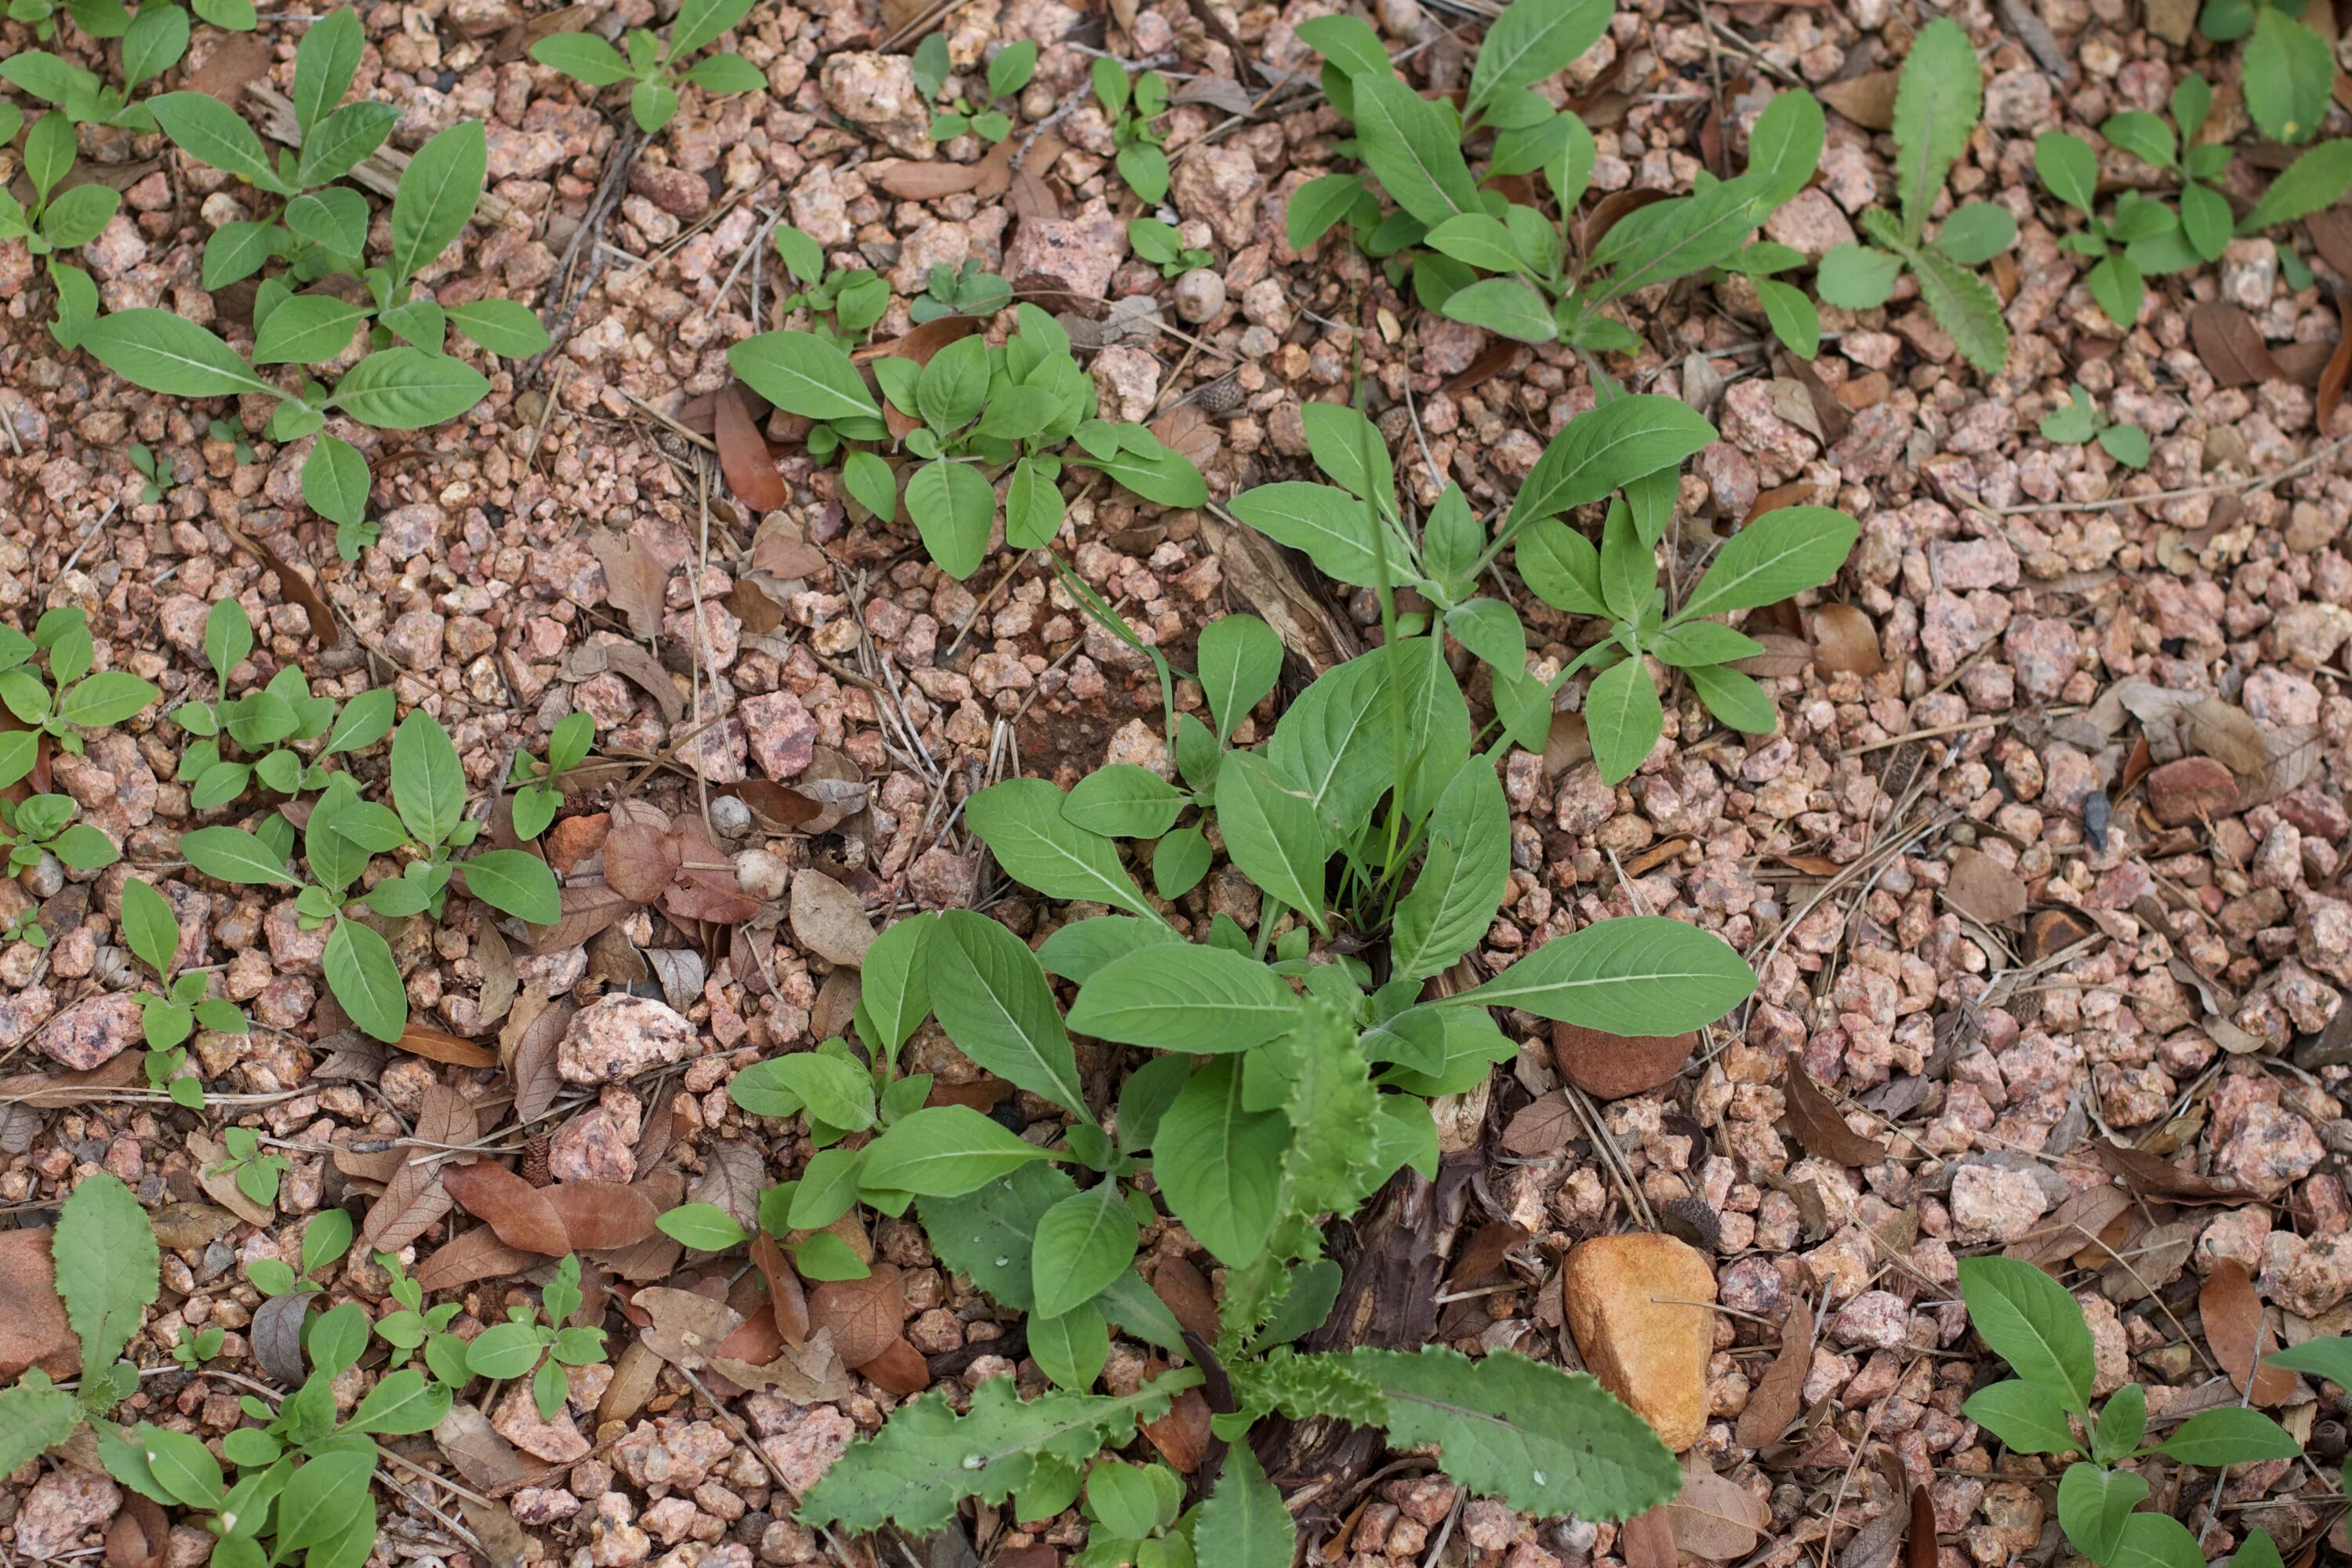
33	1421
108	1268
2289	71
1243	1524
989	1234
1965	306
1936	106
2317	179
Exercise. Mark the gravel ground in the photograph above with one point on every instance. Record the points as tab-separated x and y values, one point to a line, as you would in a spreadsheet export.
2009	894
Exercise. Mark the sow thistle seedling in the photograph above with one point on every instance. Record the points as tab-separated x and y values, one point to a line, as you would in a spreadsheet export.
168	1017
427	820
108	1272
2031	1322
984	412
72	698
2287	70
2144	237
653	66
260	724
1008	72
1936	106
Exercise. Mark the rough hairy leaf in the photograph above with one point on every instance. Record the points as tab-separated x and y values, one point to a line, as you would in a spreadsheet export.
109	1266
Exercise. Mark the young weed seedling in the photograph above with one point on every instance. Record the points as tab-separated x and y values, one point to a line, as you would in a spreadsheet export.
1936	106
522	1346
72	698
1161	244
260	723
58	220
1132	107
1008	72
2031	1322
2078	420
151	30
153	42
44	824
108	1272
2287	71
416	1326
652	66
257	1172
344	833
535	803
168	1017
158	471
966	291
325	1239
854	297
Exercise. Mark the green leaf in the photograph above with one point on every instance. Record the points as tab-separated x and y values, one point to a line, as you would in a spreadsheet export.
84	849
506	328
168	353
437	195
1792	317
2115	283
1490	628
1533	40
952	506
1412	149
1857	278
895	988
335	481
1624	718
1078	950
1033	506
33	1420
1335	530
365	720
1734	698
335	219
726	74
1936	106
2144	135
1178	861
1779	554
233	855
1122	800
403	388
110	697
1547	1442
2121	1425
927	1459
988	1233
346	136
1350	449
1348	42
1219	1164
1675	238
1273	833
2289	71
2257	1551
515	882
2094	1504
2026	1416
1607	449
1023	824
325	61
308	328
1337	740
1161	476
992	999
78	217
1071	1349
1508	307
2317	179
1976	233
1462	881
211	133
365	979
108	1269
2155	1540
833	1091
1485	244
1561	566
149	924
2069	169
429	783
404	1403
704	1226
1319	204
1241	659
1637	974
2031	1322
1785	146
1965	306
701	21
1186	998
943	1151
155	42
505	1351
183	1464
1084	1243
2230	1435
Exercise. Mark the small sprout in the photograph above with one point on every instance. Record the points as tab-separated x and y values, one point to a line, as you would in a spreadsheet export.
1008	72
2078	420
651	66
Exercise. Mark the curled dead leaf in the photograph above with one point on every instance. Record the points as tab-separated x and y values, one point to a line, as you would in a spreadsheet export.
2237	1332
1183	1436
1779	1395
786	1297
919	343
744	455
140	1536
862	1315
440	1045
1187	1294
809	1373
2152	1175
921	182
1818	1126
1844	639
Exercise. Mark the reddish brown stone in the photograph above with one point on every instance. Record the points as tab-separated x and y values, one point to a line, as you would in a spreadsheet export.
1610	1067
2191	790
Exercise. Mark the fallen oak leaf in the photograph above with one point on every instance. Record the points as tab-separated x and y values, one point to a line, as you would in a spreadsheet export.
1543	1127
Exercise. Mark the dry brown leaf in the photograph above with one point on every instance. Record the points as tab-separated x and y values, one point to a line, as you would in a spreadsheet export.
863	1315
293	586
1183	1436
139	1535
476	1452
53	1092
640	858
644	671
656	1256
635	1374
2054	931
2231	345
687	1327
440	1045
829	921
519	1212
187	1227
588	908
1984	889
2237	1334
1818	1126
1845	639
275	1335
1716	1518
1610	1067
415	1198
1188	433
1612	210
744	455
34	1330
900	1370
1186	1294
1492	361
919	343
634	580
531	1049
786	1298
2331	234
1541	1128
705	887
1031	197
476	1255
2228	734
499	980
1867	100
1783	656
219	1183
2339	361
734	1173
808	1375
2076	1222
601	1217
1920	1550
1647	1540
1779	1397
2152	1175
234	59
995	170
921	182
493	1524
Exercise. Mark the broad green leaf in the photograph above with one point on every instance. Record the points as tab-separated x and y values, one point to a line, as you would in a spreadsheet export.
2031	1322
1533	40
1187	998
835	1092
1219	1164
2094	1503
1332	528
1784	147
1023	822
403	1403
2329	1358
429	783
233	855
1965	306
1782	552
953	387
335	481
365	979
1508	307
2144	135
1241	659
1348	42
1857	278
1350	450
1272	833
726	74
1936	106
896	986
2121	1425
325	61
651	105
2026	1416
211	133
2155	1540
1071	1349
168	353
1561	566
155	42
989	1232
703	1227
1688	644
2115	283
2230	1435
308	328
1122	800
78	217
2069	169
1606	450
943	1151
1976	233
991	997
2317	179
1161	476
701	21
1485	244
953	506
1319	204
1462	880
1677	238
1637	974
2257	1551
1624	718
33	1420
1734	698
149	925
2289	71
1547	1442
1490	628
110	697
183	1464
108	1266
1792	317
1337	742
1079	950
335	219
1412	148
1083	1243
345	137
515	882
437	195
506	328
584	56
403	388
365	720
